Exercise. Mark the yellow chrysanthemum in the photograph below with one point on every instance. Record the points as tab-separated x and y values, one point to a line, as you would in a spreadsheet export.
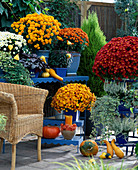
37	26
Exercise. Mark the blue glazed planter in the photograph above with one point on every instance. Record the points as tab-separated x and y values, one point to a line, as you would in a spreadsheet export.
74	65
75	115
121	139
44	53
62	72
33	73
124	111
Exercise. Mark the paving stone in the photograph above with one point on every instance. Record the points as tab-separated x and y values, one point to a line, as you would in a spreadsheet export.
27	156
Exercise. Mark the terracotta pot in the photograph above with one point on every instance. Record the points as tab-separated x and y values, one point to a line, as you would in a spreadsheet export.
68	134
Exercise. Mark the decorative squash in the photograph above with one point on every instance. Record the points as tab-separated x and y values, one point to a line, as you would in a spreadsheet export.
109	148
119	153
45	74
92	161
105	155
50	132
88	148
53	74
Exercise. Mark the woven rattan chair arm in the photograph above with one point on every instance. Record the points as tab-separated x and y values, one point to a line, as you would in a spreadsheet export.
8	105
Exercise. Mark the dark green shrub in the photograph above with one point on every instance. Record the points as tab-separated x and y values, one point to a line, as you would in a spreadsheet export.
97	41
12	10
64	11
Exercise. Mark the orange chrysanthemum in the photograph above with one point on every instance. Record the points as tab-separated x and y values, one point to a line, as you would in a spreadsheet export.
74	96
38	29
76	36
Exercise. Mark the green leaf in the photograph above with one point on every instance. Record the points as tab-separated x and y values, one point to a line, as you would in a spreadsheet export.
32	8
26	2
1	9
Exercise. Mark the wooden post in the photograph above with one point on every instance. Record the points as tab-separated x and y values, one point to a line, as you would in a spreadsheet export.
83	10
1	144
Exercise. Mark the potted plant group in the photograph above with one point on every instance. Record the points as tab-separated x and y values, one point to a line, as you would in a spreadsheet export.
72	98
40	30
59	60
74	40
103	112
122	127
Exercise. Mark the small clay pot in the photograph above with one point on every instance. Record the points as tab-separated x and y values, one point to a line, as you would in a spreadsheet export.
68	134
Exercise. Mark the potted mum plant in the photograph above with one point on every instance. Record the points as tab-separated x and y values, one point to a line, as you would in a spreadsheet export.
40	30
10	42
117	59
74	40
72	99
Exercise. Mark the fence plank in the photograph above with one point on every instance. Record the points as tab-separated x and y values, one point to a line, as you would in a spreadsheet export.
107	17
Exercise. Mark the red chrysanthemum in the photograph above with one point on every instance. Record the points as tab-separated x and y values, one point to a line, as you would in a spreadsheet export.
117	59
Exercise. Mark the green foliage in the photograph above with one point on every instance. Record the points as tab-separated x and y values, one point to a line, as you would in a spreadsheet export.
96	41
127	10
14	71
13	10
103	112
123	126
64	11
3	120
58	58
127	93
86	165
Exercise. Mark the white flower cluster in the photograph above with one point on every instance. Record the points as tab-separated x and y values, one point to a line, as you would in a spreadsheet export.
11	42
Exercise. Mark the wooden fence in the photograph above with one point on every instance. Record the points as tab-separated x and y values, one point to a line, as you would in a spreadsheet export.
107	17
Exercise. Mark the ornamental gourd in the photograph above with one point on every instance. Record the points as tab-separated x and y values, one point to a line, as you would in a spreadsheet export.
53	74
109	148
119	153
88	148
50	132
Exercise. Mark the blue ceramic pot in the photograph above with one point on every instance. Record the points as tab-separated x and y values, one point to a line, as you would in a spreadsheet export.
74	65
75	115
121	139
62	72
34	73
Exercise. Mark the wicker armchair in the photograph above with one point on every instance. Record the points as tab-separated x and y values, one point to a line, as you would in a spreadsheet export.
23	106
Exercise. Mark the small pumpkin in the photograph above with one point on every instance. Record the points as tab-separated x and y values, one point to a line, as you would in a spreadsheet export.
45	74
50	132
88	148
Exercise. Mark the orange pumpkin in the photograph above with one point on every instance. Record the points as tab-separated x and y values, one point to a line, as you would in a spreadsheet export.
88	148
50	132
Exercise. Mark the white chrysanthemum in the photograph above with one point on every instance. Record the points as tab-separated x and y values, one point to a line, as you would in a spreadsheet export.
16	48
